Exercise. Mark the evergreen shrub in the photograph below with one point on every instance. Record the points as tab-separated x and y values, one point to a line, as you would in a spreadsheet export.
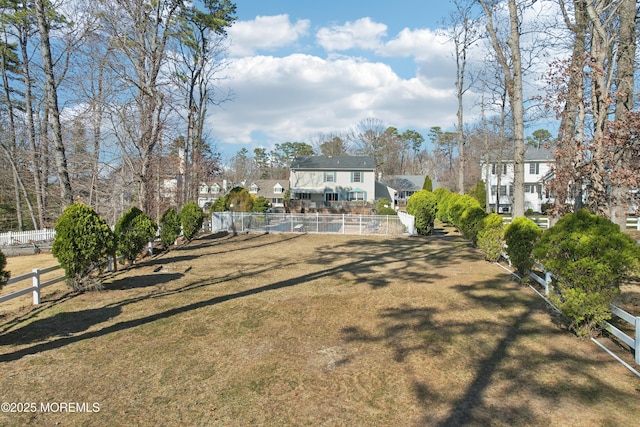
491	237
192	219
4	275
590	257
471	222
423	206
133	231
82	244
169	227
520	236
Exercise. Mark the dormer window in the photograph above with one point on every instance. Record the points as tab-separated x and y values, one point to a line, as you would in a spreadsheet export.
277	189
253	188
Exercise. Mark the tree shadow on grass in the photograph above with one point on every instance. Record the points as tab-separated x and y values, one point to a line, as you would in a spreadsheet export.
142	281
60	325
502	368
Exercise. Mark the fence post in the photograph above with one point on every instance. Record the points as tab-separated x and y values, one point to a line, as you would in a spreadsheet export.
317	222
343	225
547	280
360	218
638	223
637	349
36	286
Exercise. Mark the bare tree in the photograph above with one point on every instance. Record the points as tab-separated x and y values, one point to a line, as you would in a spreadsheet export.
512	69
42	12
463	31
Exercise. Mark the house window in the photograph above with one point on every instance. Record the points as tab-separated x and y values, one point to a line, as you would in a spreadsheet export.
530	188
253	188
503	190
494	168
331	197
356	196
356	176
304	196
277	189
534	168
329	177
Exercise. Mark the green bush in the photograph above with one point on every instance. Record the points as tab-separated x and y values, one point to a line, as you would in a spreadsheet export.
169	227
443	197
382	210
261	204
457	205
192	219
471	222
4	275
133	231
82	244
479	193
428	184
590	257
239	200
521	235
491	237
423	206
220	205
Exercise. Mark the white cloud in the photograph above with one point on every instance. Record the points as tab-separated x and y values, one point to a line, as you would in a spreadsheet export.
362	34
294	97
265	33
422	44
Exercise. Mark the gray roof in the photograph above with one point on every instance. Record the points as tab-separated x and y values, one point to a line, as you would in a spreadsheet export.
531	154
334	163
404	182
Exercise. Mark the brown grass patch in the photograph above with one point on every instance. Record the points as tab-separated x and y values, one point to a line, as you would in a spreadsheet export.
307	330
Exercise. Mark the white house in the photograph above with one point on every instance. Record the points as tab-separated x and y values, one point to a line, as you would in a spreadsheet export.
538	163
326	181
208	193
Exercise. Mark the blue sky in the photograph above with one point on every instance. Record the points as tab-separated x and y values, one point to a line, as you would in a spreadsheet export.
300	68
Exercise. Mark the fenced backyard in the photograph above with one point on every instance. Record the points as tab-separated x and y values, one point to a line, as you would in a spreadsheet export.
386	225
291	329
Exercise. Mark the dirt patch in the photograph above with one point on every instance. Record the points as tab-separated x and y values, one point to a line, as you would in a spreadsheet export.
308	330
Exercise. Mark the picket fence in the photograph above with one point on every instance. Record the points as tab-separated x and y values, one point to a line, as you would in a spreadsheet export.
633	222
25	237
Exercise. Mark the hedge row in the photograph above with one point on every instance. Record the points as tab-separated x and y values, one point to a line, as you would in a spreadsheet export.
589	255
84	241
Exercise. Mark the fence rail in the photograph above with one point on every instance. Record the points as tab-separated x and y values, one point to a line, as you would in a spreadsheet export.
632	342
633	222
37	284
23	237
312	223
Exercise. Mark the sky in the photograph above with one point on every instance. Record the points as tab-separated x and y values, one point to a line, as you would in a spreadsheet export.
300	68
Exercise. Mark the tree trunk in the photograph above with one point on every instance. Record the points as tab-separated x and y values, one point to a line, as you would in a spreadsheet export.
513	79
624	103
51	97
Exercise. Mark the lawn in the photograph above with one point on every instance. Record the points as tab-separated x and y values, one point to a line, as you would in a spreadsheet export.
309	330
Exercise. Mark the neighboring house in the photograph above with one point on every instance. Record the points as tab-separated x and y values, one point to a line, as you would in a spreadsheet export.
538	164
271	189
398	188
332	181
209	193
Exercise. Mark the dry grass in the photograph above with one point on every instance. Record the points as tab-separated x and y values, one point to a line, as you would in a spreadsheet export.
311	330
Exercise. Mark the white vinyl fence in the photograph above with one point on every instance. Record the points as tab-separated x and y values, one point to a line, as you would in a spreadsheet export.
632	342
24	237
312	223
633	222
36	286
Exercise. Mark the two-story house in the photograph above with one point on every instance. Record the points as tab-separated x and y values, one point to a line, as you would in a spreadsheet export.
209	193
331	181
499	173
271	189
